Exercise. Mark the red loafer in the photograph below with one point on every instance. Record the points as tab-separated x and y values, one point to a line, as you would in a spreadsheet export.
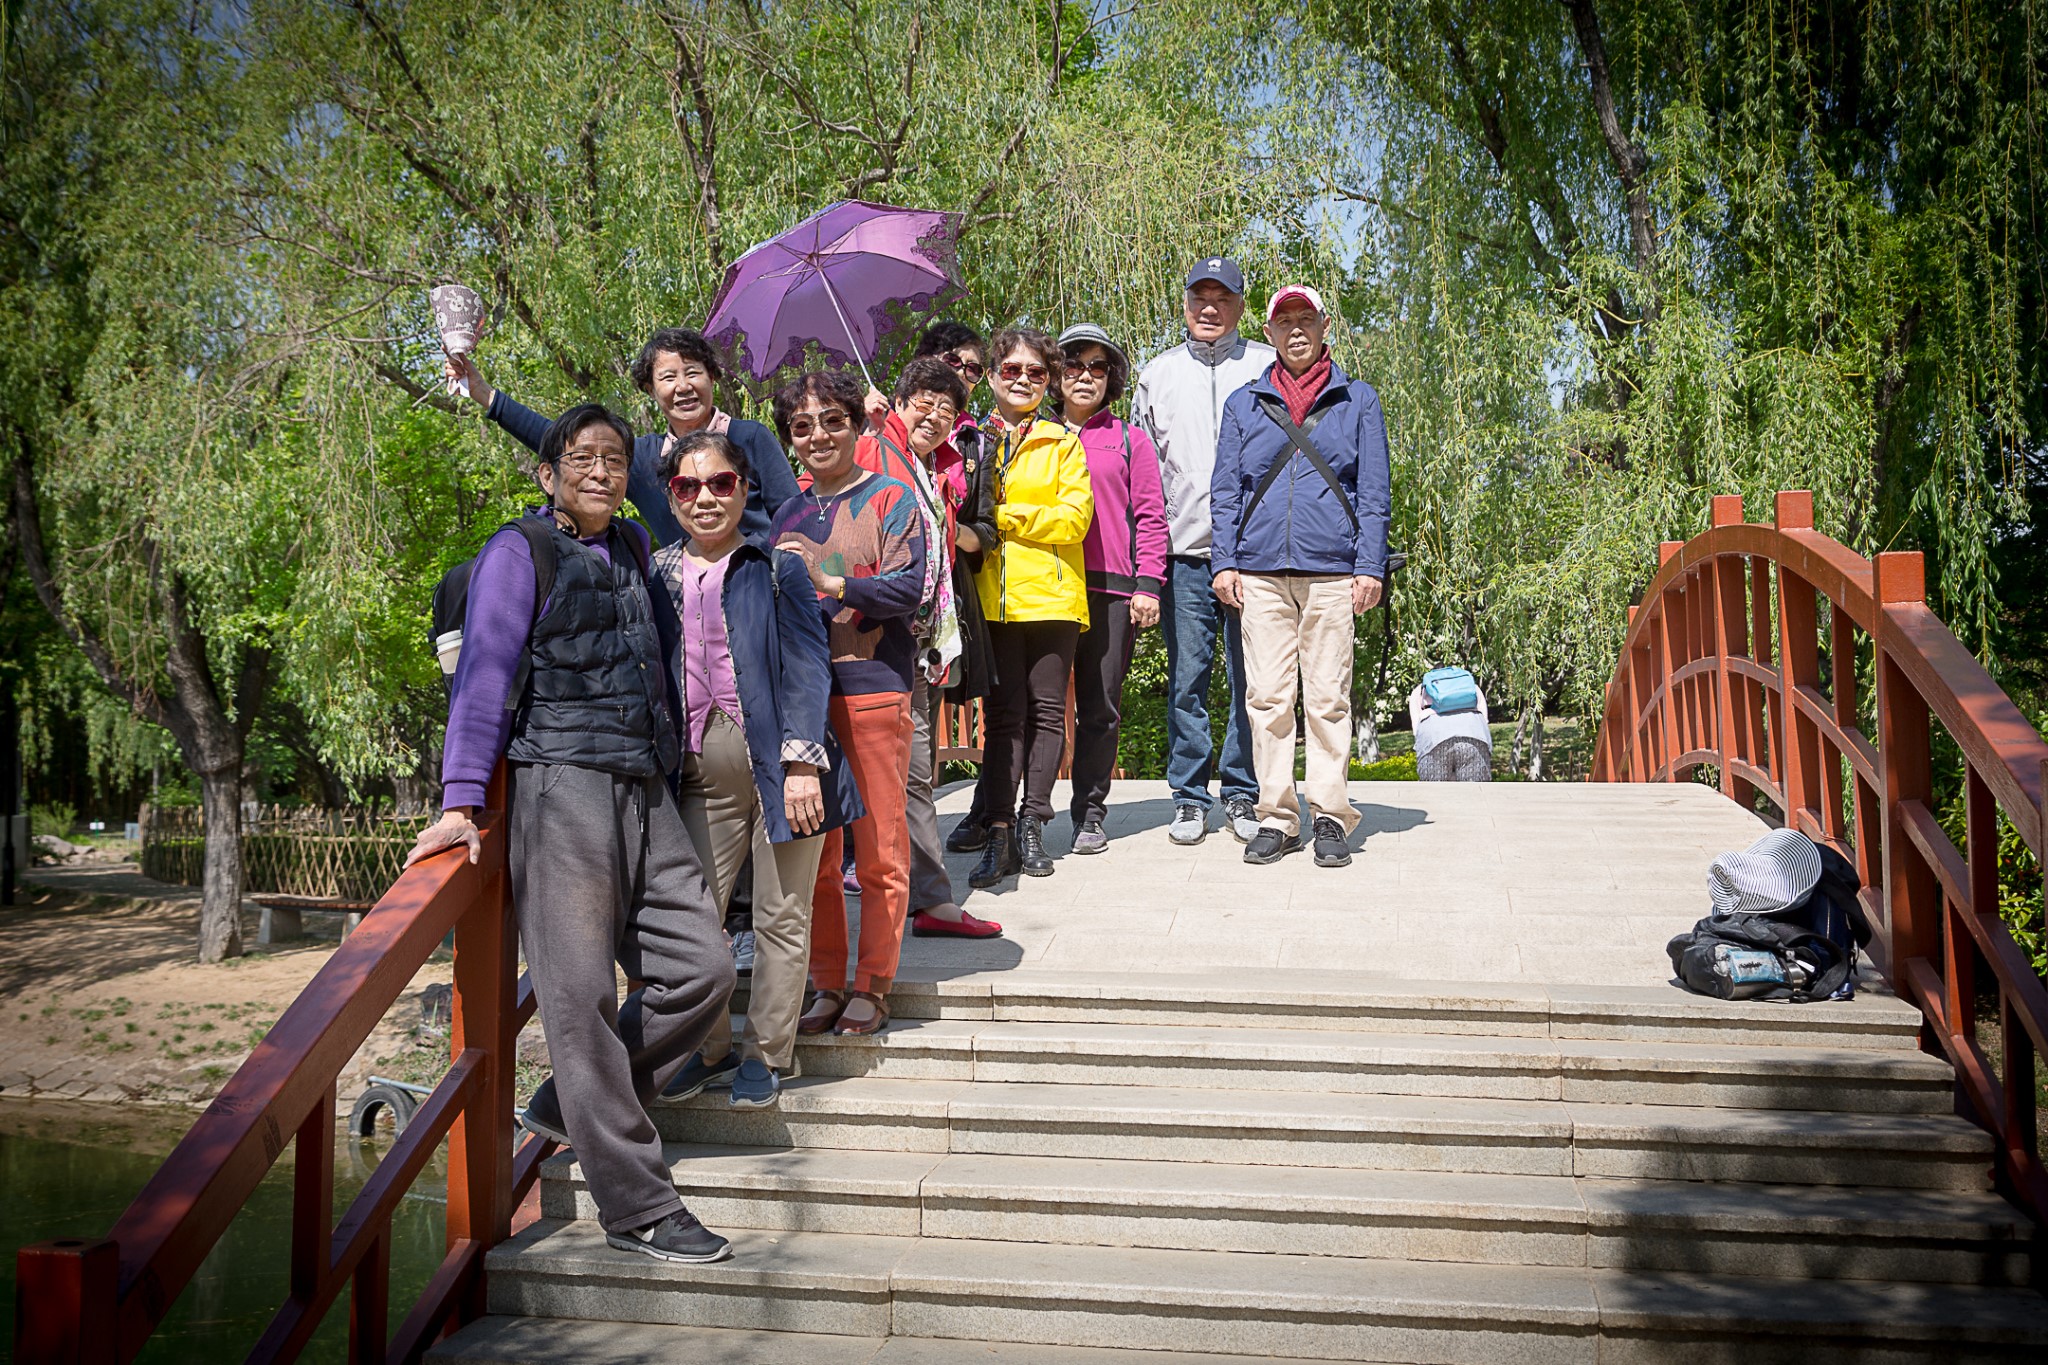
967	926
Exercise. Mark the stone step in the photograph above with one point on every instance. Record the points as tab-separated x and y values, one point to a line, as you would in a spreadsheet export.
1312	1307
1379	1132
1345	1002
1606	1070
1832	1232
567	1341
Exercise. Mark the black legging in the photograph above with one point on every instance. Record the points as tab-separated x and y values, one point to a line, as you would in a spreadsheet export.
1027	712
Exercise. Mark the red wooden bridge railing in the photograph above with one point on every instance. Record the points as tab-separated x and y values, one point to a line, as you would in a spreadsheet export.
96	1302
1726	665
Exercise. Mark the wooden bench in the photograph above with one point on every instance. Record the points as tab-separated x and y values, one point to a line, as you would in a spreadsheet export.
284	916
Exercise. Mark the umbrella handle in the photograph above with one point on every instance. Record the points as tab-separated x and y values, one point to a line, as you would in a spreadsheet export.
851	344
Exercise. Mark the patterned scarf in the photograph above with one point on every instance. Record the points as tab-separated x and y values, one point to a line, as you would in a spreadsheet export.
1301	393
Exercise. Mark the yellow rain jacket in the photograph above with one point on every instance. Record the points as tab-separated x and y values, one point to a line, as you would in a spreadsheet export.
1043	507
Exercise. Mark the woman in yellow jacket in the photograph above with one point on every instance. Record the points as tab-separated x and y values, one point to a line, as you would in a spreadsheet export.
1034	596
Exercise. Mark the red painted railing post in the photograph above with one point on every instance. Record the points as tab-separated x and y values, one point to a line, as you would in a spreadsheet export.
65	1294
1730	607
1912	896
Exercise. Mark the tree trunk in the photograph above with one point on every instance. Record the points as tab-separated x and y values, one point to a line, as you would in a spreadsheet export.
220	907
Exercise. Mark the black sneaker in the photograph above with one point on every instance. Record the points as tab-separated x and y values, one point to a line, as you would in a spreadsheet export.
967	837
543	1114
1332	849
678	1237
1269	845
698	1076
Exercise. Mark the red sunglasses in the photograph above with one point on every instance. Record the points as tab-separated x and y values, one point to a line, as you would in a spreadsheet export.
686	487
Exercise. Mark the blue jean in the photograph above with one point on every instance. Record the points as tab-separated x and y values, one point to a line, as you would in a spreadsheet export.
1190	621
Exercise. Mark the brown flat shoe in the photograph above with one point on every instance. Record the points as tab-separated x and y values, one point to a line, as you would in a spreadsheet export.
880	1021
822	1015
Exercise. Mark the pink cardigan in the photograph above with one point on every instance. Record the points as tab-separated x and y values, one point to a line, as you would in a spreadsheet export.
1125	550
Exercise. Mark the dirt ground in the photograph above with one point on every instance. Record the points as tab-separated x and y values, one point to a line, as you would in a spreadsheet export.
101	998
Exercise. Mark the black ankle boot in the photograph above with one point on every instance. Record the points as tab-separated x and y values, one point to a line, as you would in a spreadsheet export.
998	858
1031	857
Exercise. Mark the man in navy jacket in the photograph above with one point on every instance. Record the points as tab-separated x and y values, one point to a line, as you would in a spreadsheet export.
676	368
1299	504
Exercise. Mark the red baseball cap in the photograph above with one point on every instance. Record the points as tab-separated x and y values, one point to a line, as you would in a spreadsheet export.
1305	293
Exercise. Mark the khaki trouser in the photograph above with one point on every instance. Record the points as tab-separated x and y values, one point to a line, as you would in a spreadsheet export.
1299	625
722	811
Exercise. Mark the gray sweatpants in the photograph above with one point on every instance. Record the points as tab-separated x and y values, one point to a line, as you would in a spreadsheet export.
604	877
929	884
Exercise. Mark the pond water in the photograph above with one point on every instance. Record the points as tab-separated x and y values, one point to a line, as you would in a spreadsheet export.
68	1170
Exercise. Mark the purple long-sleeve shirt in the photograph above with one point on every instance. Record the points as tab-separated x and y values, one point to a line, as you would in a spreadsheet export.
1126	546
495	630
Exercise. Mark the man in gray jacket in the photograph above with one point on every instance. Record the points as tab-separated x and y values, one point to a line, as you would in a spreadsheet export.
1179	401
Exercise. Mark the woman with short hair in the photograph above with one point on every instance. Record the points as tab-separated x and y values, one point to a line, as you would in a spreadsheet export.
1125	555
762	774
1034	596
860	535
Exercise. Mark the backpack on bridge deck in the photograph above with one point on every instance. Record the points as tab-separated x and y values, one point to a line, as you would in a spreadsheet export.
1786	925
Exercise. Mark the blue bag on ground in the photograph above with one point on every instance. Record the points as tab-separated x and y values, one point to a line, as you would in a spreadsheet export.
1450	690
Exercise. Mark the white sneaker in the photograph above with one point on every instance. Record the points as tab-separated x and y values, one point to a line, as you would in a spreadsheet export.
1190	824
1243	818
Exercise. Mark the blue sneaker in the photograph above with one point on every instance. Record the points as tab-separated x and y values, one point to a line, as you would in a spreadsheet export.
698	1076
755	1085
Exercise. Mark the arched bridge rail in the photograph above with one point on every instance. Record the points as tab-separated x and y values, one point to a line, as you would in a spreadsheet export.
97	1302
1729	664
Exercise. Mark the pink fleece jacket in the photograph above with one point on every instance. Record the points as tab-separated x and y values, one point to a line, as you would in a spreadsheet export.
1125	550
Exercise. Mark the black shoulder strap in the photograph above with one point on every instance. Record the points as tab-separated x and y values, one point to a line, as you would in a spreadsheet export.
1299	436
539	533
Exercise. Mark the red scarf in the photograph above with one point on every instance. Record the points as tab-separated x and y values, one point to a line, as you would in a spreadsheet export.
1300	394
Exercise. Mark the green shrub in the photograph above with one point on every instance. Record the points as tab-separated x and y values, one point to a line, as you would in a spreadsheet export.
1393	768
52	817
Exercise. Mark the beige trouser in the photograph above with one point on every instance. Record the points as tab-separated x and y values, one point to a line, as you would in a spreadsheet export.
722	812
1299	625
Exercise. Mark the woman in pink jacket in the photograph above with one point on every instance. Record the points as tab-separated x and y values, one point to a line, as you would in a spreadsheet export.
1125	554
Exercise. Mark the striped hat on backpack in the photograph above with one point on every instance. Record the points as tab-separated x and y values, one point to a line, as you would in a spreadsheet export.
1777	872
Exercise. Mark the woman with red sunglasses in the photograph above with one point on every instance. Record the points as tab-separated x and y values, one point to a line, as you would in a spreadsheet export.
1034	596
762	774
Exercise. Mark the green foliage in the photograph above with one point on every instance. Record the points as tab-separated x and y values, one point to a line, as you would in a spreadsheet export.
1394	768
52	818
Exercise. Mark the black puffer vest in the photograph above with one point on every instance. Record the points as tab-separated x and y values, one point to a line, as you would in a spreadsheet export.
598	694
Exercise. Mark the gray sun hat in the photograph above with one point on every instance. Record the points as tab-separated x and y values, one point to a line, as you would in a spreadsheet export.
1777	872
1082	333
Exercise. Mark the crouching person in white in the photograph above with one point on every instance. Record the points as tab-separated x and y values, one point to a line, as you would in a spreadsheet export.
577	692
1300	502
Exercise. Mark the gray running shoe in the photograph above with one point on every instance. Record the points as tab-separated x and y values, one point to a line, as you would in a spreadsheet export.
743	952
678	1237
1242	817
1331	848
1190	824
1089	838
1270	846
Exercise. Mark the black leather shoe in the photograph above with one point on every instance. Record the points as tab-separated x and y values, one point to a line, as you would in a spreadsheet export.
998	859
1032	860
967	837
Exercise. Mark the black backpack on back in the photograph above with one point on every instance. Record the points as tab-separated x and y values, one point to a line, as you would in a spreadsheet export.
451	602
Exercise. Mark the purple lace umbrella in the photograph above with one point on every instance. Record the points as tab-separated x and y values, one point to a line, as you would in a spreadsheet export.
831	280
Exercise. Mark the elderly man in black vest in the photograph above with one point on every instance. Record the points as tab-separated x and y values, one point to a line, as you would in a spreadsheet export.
577	693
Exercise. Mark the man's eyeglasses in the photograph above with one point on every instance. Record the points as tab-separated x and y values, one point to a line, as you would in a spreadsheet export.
1097	367
1011	370
925	405
832	423
686	487
581	462
970	370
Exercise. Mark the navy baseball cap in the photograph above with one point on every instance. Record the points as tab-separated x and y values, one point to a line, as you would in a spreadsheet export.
1221	269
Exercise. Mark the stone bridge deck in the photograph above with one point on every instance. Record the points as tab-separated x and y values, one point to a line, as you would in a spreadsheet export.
1552	883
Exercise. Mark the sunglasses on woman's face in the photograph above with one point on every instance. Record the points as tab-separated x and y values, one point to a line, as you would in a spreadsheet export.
1011	370
970	370
1097	367
686	487
832	423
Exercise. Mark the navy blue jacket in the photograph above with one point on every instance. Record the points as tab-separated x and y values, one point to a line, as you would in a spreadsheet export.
1299	526
771	485
784	676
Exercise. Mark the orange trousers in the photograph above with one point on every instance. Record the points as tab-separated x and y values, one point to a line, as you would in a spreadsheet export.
874	741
